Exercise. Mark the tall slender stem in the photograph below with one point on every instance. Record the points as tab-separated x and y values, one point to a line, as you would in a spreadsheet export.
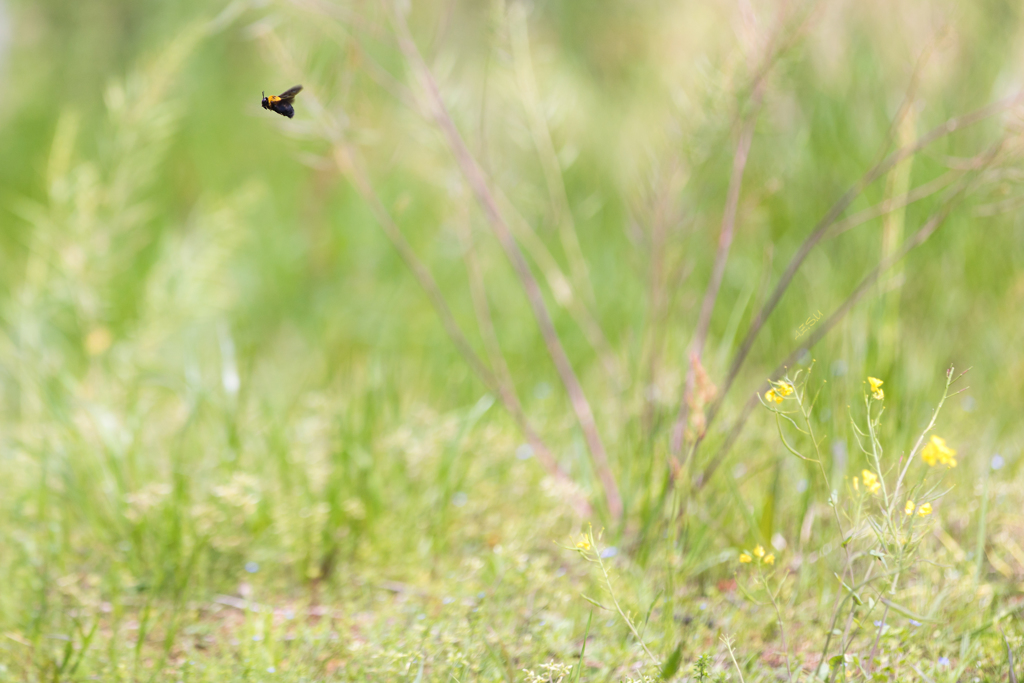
477	181
725	235
349	164
931	225
824	225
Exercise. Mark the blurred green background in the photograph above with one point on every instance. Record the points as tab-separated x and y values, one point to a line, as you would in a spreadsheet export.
212	359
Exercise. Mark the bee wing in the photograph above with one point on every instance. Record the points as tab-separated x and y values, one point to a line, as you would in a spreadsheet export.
289	94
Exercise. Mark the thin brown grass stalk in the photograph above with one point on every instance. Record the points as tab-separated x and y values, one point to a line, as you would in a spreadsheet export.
896	203
503	377
481	306
499	383
825	225
661	283
581	303
820	330
349	164
475	177
352	168
725	235
895	127
910	95
552	169
562	288
344	19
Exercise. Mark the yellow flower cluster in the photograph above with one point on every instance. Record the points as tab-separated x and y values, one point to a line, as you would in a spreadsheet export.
583	543
871	482
936	451
759	553
876	388
778	392
922	511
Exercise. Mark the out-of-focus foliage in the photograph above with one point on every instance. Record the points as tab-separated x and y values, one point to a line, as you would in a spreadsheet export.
217	373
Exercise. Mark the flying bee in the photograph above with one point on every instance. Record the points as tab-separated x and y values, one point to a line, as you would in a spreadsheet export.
282	103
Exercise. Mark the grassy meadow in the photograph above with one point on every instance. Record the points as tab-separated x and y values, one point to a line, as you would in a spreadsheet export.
549	341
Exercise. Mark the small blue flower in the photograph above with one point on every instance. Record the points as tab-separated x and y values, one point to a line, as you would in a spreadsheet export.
252	567
915	623
610	551
943	661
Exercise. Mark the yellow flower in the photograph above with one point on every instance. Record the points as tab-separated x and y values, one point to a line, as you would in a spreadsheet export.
744	558
778	391
871	482
583	543
936	451
769	558
910	507
876	388
759	551
924	510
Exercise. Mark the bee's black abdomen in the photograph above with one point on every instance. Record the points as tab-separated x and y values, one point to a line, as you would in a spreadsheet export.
282	104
